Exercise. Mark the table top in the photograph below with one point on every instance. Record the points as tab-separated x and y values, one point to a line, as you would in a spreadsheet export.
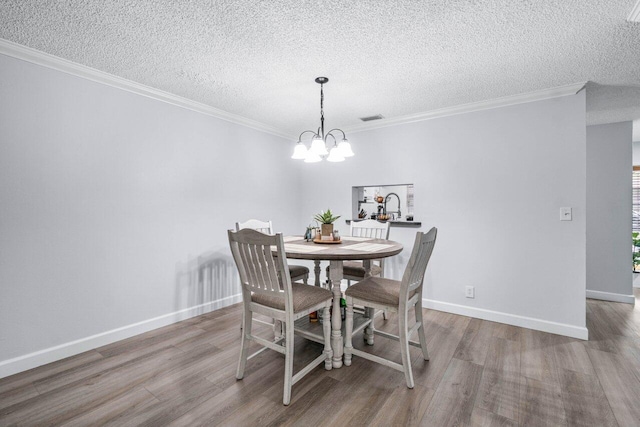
351	248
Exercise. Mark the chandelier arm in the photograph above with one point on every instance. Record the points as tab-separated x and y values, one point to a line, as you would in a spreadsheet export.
306	131
344	136
329	134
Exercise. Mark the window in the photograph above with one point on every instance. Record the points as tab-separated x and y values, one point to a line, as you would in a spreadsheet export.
398	200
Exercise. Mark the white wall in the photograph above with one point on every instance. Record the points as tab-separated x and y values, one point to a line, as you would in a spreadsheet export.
493	183
609	265
114	209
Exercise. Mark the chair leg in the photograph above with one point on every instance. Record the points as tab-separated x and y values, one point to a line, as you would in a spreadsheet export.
348	344
385	313
244	344
277	329
423	340
305	279
404	346
326	328
369	330
288	363
316	271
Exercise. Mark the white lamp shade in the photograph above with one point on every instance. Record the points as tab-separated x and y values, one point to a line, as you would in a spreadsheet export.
312	157
345	148
335	155
300	152
318	146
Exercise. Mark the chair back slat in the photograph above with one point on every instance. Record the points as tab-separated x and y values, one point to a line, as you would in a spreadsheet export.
258	277
245	256
370	228
261	271
414	273
270	270
255	224
262	277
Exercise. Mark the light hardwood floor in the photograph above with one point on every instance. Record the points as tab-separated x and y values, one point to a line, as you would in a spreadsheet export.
480	373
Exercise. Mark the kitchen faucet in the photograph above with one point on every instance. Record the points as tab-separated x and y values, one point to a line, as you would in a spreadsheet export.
386	199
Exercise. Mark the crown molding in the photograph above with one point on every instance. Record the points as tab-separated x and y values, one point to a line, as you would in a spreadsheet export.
34	56
505	101
634	15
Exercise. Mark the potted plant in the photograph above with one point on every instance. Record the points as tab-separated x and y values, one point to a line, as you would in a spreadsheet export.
326	219
636	250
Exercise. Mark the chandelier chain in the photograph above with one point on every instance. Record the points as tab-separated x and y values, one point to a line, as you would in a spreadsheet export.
322	110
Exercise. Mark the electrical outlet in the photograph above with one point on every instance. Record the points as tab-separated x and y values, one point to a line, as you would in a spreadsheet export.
470	292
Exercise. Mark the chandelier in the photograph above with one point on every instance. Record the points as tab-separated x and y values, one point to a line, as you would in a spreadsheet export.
318	149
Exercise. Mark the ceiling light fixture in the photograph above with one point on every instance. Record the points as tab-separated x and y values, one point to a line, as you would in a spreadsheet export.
318	149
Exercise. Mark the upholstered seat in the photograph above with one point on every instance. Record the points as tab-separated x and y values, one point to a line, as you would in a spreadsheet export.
356	269
378	290
299	272
304	296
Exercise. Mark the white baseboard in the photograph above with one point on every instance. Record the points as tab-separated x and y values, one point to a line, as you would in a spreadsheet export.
510	319
52	354
610	296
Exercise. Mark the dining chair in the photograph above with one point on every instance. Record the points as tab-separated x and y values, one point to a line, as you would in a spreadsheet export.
297	272
396	296
354	270
267	291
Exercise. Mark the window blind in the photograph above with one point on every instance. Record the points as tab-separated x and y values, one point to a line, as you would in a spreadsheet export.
636	199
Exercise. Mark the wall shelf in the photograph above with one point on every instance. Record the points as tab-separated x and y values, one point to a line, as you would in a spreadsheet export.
393	223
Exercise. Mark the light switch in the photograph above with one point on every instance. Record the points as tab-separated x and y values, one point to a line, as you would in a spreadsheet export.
565	214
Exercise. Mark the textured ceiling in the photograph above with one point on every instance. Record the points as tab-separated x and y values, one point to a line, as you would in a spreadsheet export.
258	59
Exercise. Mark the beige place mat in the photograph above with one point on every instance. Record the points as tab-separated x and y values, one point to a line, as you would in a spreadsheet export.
291	238
304	248
368	247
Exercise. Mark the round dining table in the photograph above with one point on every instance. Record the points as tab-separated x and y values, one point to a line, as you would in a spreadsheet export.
349	249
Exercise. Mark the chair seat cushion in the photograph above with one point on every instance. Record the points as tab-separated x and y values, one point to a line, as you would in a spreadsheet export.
378	290
355	269
304	296
298	270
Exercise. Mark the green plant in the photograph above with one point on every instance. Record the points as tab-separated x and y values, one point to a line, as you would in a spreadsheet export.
326	217
636	249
